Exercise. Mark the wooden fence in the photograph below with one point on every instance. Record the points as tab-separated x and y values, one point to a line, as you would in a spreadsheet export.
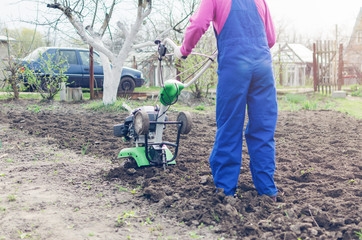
327	66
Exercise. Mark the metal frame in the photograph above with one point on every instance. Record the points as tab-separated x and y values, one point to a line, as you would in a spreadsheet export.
160	144
160	122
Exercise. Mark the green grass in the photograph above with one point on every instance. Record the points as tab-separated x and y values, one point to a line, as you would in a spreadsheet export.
201	109
84	149
98	105
292	89
147	89
11	198
194	235
30	96
86	95
287	102
88	90
359	234
33	95
310	105
295	98
316	101
34	108
21	96
351	107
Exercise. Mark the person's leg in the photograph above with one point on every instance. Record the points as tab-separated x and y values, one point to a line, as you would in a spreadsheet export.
259	134
225	159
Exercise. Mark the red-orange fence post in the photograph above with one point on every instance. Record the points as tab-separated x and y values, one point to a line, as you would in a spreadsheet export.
91	73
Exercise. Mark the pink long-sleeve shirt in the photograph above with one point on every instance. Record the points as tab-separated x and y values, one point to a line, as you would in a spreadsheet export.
217	11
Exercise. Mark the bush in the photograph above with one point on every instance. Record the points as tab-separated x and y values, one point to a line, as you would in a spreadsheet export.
356	90
47	81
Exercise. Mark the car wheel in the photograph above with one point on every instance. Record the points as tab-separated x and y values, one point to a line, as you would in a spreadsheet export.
46	86
127	84
29	87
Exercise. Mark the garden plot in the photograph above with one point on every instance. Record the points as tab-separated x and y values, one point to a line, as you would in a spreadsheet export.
60	179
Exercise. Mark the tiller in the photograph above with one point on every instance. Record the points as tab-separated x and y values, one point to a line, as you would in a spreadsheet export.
146	124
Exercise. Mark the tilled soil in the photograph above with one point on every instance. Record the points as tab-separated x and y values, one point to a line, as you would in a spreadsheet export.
318	155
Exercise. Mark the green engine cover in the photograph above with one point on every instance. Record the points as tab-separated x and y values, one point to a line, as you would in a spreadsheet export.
139	154
170	91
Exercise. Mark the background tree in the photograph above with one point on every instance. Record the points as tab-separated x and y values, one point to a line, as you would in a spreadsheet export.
188	68
9	68
83	18
92	20
27	39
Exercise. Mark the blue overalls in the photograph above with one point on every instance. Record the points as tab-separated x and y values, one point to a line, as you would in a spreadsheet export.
245	79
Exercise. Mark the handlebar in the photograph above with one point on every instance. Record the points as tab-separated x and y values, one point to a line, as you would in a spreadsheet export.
162	52
157	42
209	61
173	45
169	41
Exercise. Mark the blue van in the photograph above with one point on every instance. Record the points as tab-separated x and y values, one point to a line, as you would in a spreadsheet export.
78	68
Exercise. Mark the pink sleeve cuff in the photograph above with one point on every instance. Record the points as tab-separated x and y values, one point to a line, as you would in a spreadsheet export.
183	52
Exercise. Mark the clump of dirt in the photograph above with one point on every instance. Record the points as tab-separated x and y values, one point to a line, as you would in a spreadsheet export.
319	165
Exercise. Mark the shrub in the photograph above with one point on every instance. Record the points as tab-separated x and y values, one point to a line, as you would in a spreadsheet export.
47	80
356	90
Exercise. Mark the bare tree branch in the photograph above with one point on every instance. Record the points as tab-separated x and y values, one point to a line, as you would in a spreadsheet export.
179	30
95	14
82	32
122	27
148	9
106	19
151	43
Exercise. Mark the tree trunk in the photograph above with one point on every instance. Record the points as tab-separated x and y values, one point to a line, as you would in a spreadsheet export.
110	88
112	76
14	86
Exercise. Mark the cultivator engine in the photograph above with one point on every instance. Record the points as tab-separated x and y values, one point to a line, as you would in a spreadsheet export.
146	124
145	127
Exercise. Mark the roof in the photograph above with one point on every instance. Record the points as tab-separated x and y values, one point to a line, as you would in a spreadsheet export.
292	52
357	28
5	38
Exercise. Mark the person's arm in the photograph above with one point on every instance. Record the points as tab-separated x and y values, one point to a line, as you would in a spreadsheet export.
268	23
200	22
269	28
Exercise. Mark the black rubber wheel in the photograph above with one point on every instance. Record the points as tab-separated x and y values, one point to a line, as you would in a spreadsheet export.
185	118
126	84
141	123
